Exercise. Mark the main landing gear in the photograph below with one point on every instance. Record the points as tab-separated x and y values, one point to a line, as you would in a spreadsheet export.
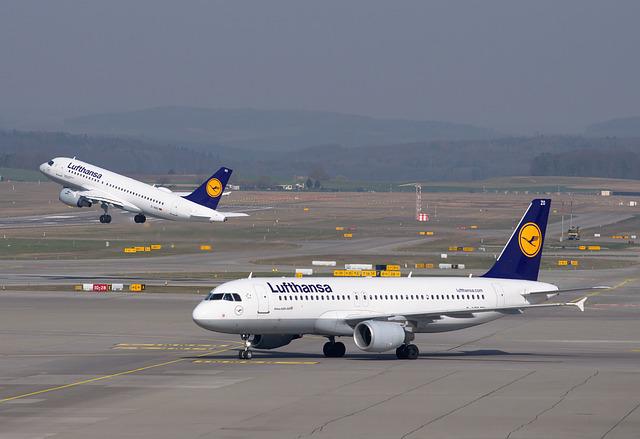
105	218
246	353
333	349
139	218
407	352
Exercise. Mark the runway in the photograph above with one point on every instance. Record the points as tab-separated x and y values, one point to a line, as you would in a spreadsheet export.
88	216
79	365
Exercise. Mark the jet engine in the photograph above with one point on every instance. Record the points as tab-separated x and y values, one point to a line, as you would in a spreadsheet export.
272	341
376	336
73	198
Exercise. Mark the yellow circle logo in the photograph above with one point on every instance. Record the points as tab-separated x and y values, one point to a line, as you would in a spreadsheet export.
530	239
214	188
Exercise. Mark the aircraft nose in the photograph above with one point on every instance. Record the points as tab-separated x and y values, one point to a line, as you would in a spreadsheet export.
199	314
43	167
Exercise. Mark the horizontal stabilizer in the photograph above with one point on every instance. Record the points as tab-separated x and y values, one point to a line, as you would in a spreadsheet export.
569	290
233	214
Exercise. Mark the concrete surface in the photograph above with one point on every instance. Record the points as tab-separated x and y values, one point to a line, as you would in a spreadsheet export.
78	365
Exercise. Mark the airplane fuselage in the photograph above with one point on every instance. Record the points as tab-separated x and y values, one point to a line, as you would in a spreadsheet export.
324	306
133	195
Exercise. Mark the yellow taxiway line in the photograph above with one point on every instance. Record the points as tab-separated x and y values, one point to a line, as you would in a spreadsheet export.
106	377
598	292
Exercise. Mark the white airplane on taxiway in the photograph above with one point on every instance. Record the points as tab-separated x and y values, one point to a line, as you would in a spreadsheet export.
383	314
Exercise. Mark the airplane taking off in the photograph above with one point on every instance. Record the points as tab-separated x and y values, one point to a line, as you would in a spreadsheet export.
384	313
86	185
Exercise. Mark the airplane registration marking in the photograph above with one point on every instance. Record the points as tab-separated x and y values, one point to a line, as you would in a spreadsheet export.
254	362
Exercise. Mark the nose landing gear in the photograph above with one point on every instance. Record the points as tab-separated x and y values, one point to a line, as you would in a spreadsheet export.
246	353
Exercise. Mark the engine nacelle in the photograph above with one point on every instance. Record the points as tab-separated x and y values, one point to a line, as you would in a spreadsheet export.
272	341
73	199
376	336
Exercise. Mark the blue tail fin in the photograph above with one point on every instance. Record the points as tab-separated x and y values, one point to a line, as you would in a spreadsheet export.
520	258
210	192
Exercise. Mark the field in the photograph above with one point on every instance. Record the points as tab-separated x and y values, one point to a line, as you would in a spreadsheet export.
287	230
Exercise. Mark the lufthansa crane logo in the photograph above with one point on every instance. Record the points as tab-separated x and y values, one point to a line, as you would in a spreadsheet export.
530	239
214	188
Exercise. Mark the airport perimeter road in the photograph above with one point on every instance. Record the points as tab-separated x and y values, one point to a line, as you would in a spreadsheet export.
78	365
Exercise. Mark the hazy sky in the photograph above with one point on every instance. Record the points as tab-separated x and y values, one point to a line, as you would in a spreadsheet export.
527	66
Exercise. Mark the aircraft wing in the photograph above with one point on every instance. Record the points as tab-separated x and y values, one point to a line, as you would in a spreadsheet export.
99	197
458	313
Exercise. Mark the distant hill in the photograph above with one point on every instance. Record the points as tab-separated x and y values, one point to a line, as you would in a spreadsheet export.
459	160
608	162
271	130
621	127
28	149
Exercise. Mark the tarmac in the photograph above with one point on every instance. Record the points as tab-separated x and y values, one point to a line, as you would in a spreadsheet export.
78	365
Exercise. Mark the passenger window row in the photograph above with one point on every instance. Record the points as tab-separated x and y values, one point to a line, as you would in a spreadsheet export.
119	188
387	297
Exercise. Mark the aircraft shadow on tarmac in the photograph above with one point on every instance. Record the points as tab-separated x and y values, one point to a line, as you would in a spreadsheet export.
360	356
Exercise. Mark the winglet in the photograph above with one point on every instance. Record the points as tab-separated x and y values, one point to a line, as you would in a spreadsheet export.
580	303
250	275
410	273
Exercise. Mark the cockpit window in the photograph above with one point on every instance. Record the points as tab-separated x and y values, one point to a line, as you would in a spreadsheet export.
50	162
231	297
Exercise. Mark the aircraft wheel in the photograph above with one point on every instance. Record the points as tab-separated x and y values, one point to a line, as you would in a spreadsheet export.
245	355
102	220
401	352
107	219
334	350
139	218
339	349
412	352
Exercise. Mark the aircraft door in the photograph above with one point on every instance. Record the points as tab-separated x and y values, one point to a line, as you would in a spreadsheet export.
362	300
174	207
500	300
263	298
